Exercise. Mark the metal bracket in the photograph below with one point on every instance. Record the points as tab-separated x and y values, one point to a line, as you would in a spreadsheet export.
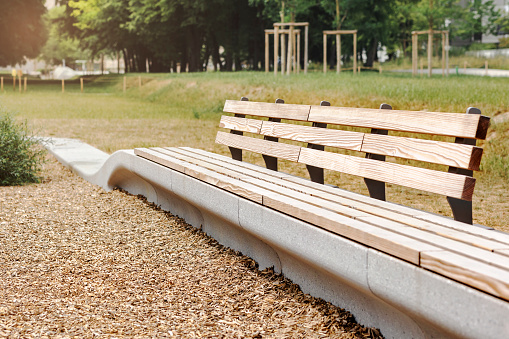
376	188
316	173
271	162
237	152
462	209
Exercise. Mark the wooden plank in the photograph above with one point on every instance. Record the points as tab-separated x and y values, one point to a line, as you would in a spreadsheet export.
270	148
449	124
315	135
471	272
348	207
445	153
340	32
450	184
386	241
438	240
245	190
241	124
416	218
264	109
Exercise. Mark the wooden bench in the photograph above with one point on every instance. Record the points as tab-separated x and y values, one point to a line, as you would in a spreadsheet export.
474	256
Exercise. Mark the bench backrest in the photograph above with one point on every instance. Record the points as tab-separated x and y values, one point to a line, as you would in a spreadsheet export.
462	156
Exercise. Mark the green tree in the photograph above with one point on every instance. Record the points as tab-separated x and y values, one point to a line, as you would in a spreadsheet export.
22	30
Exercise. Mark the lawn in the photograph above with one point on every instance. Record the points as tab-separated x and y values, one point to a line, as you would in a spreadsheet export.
184	110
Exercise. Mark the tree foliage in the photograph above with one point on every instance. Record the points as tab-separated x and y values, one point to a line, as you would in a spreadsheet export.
22	30
229	33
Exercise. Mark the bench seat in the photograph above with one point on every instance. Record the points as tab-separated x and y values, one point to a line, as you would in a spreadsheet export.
475	256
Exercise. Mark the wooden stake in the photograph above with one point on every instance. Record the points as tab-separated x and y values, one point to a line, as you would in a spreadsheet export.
443	54
294	40
139	81
63	86
354	51
324	53
13	83
283	54
298	52
338	53
25	85
306	40
290	52
81	84
276	49
422	69
430	53
2	81
486	67
125	84
465	67
19	82
266	52
447	52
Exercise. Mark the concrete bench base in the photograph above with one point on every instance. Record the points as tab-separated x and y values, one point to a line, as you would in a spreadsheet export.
402	300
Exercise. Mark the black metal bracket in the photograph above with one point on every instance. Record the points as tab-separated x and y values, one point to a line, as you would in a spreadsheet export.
376	188
462	209
271	162
237	152
316	173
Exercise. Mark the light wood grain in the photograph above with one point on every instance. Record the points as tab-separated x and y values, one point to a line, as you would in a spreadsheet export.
386	241
471	272
449	124
263	109
270	148
454	185
245	190
393	211
241	124
444	153
347	207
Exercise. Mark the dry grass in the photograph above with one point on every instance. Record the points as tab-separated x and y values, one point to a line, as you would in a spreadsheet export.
76	261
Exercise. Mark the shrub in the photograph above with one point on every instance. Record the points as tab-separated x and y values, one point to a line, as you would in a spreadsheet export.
21	155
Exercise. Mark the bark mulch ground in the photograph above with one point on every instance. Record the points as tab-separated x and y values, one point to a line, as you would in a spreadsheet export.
76	261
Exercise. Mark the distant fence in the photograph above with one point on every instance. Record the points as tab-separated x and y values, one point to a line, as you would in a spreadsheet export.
489	53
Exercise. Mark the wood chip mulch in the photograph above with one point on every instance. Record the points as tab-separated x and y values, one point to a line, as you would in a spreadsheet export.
76	261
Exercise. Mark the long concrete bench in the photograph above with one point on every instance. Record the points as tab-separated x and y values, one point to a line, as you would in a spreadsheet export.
406	271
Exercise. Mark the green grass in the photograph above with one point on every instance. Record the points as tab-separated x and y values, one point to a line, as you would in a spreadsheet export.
184	110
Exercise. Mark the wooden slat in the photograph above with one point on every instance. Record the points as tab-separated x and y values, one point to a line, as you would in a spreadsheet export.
444	153
453	185
468	271
245	190
241	124
449	124
438	240
315	135
263	109
353	209
407	215
386	241
274	149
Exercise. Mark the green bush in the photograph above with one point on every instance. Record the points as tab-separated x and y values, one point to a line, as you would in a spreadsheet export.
21	155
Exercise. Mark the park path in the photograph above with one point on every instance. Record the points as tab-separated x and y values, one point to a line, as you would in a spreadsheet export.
76	261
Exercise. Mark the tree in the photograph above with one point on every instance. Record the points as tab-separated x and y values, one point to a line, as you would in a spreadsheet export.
59	44
22	30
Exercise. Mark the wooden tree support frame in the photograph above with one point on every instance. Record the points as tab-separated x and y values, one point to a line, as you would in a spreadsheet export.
445	51
279	26
296	49
338	49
